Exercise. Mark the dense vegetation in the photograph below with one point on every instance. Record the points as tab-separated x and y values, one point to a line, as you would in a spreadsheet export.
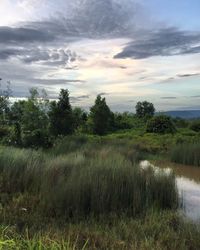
188	154
85	181
71	179
87	193
37	121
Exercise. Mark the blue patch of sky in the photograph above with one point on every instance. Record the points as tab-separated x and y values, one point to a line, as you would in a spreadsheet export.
181	87
181	13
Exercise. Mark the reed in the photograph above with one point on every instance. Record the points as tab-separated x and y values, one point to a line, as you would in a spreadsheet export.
187	153
84	183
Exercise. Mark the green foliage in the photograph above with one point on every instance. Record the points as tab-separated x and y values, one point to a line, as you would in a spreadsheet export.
61	116
180	123
154	230
88	192
30	121
145	109
195	126
160	124
186	153
4	104
100	117
4	131
123	121
36	138
91	180
80	118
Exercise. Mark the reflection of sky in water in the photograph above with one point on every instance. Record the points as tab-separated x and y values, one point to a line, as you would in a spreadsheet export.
191	197
187	178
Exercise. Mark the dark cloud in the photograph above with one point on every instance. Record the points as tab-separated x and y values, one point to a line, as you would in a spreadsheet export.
83	97
88	19
104	93
54	81
74	99
17	35
8	52
188	75
195	96
164	42
91	19
51	57
169	97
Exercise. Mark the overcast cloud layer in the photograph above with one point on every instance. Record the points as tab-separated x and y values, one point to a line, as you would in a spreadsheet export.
123	49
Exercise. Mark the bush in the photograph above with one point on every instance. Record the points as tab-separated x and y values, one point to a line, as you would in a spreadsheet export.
4	131
160	124
195	126
36	139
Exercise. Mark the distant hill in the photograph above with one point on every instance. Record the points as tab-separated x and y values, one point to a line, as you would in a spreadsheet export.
186	114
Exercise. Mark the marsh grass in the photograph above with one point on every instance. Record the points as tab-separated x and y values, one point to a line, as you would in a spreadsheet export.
187	153
90	181
90	196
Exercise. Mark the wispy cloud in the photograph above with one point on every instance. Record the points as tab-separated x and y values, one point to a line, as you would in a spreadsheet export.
188	75
164	42
169	97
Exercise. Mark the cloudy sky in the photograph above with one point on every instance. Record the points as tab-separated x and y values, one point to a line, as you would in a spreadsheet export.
126	50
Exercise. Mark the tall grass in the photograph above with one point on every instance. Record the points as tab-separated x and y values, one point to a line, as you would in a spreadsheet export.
187	153
80	184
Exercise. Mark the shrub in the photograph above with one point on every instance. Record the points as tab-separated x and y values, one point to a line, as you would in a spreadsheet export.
195	126
36	138
4	131
160	124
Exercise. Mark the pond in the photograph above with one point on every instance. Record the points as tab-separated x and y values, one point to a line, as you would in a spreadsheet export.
188	183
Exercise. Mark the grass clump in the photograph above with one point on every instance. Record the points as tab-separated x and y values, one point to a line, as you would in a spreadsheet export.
187	153
85	182
105	184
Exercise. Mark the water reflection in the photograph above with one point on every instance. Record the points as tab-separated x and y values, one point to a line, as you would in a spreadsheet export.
188	183
190	194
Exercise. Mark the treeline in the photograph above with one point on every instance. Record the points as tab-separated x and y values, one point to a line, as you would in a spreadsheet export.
37	121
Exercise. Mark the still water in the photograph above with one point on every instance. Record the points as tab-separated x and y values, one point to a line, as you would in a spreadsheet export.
188	183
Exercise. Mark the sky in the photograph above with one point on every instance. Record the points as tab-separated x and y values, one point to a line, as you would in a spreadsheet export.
125	50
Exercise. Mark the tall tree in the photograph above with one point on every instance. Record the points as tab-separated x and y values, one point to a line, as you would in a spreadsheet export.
30	120
100	116
4	103
145	109
61	116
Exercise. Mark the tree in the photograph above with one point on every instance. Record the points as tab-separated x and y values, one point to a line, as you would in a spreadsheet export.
61	116
145	109
4	103
123	120
30	121
80	117
100	116
160	124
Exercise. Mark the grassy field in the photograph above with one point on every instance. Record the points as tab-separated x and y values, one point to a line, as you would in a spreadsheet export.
90	193
156	230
